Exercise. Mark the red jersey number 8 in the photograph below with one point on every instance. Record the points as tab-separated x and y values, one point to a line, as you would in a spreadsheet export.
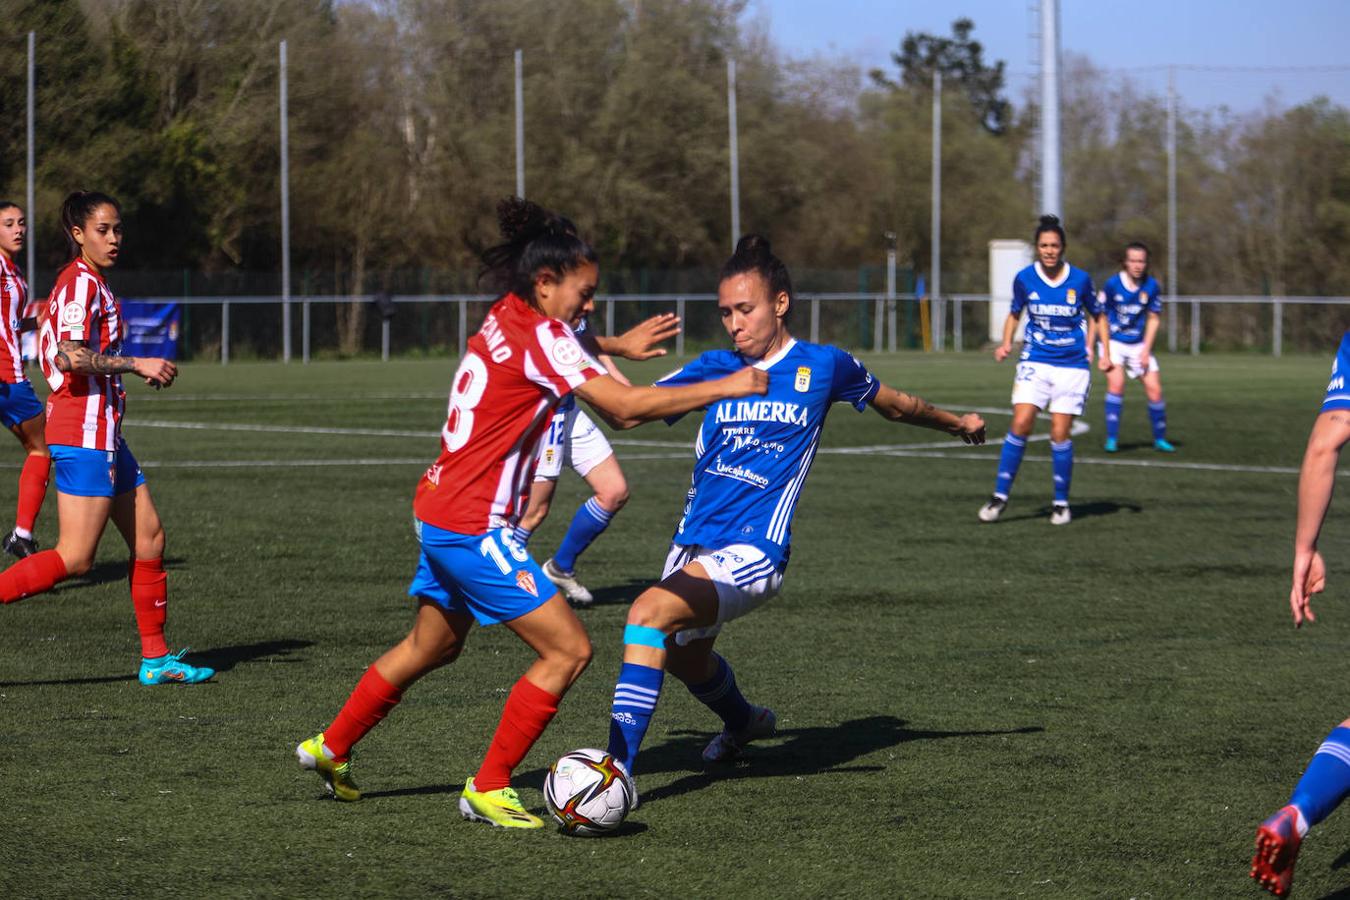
466	392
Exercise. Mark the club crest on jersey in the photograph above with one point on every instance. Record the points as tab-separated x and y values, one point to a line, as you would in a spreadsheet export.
1070	295
72	314
566	354
525	581
803	382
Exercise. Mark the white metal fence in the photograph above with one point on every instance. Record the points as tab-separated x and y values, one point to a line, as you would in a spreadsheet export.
874	322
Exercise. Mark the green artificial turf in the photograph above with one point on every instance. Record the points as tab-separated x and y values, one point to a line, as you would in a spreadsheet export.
965	710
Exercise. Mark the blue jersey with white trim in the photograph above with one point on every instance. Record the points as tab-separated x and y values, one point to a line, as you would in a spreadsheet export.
1057	315
1338	395
1127	310
754	453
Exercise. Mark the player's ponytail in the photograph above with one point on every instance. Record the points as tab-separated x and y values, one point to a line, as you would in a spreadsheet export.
754	254
534	240
1050	223
77	209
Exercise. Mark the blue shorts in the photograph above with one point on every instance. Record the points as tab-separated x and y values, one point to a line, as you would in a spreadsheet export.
488	575
18	403
96	473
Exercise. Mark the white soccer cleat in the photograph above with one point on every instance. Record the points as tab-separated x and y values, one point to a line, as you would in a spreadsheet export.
993	509
1059	514
727	745
572	590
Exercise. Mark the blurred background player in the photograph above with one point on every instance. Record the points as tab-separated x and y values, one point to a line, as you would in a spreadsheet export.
1053	373
573	439
517	367
97	477
20	409
1132	302
1326	782
731	547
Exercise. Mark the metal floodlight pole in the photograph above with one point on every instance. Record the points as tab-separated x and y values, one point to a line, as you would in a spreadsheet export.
520	125
890	292
1051	201
285	220
935	260
735	155
1172	209
28	211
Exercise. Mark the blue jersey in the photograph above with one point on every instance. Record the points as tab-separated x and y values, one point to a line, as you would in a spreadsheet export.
1338	396
1058	313
1128	310
753	453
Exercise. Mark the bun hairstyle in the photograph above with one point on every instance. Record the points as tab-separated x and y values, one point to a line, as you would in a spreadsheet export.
77	209
534	240
1050	223
754	254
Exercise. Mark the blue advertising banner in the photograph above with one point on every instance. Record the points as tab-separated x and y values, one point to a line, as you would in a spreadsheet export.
151	329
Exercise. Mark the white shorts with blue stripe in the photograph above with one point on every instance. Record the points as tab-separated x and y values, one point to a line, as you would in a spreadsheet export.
744	577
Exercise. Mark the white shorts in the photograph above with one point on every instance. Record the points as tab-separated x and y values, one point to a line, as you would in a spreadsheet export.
1127	355
744	577
1055	389
571	439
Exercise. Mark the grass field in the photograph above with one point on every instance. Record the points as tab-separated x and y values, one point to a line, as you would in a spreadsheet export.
1107	709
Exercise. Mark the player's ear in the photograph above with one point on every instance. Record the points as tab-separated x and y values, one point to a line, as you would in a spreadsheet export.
545	280
781	304
78	234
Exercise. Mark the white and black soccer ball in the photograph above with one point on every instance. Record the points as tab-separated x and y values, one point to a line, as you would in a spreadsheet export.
588	792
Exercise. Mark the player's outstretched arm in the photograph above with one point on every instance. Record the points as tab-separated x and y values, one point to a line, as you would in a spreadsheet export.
628	407
75	356
640	342
912	410
1316	481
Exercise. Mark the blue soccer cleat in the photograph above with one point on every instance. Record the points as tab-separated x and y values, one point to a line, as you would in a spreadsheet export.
1110	445
1162	445
170	669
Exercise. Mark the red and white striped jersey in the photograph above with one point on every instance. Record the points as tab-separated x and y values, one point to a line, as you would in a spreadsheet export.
13	299
83	410
515	370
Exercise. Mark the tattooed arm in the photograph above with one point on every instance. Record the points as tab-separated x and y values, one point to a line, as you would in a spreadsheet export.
901	407
74	356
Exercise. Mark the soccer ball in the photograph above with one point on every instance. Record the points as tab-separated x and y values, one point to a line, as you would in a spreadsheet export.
588	792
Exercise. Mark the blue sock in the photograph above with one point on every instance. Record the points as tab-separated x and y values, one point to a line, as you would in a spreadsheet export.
1326	781
1061	461
590	521
635	696
521	535
721	695
1008	463
1157	414
1114	404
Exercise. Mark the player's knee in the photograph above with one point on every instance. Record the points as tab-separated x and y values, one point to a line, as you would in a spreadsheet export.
572	657
613	498
648	611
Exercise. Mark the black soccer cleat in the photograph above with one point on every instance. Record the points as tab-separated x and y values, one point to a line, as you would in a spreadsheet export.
17	546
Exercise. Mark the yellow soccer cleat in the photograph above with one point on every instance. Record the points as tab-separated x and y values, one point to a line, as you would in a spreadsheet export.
500	808
337	777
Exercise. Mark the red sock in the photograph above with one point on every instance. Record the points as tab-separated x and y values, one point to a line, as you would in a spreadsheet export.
31	575
528	711
369	703
32	489
150	598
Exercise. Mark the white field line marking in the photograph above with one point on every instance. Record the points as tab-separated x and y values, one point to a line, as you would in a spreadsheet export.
930	450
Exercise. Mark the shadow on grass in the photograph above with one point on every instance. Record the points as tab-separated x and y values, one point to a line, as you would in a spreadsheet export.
1341	894
1079	510
223	659
621	594
1148	445
800	751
